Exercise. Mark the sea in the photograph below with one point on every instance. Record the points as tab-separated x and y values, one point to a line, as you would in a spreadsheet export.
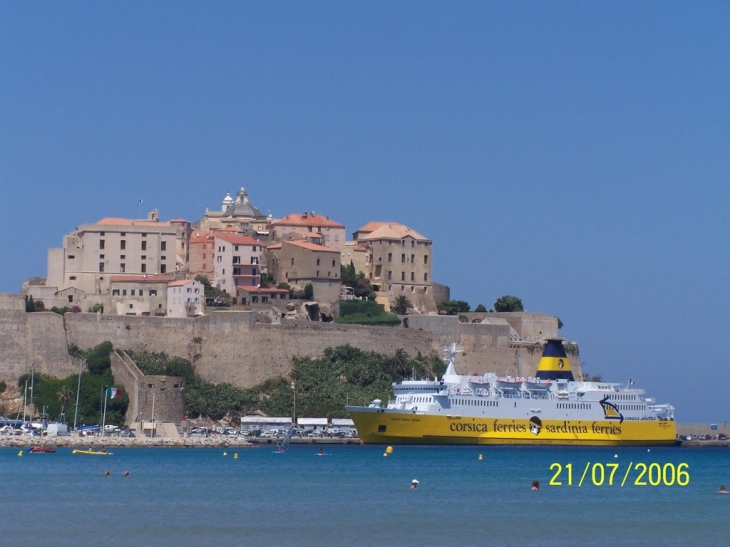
361	496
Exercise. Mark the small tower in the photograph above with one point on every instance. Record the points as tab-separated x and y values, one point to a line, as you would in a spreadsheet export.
227	202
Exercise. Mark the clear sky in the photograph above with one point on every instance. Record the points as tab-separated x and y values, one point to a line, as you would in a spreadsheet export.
574	154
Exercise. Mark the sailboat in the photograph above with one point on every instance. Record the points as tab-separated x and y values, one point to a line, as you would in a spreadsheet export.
283	446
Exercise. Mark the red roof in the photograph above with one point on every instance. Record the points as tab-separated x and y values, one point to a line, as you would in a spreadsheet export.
311	246
307	219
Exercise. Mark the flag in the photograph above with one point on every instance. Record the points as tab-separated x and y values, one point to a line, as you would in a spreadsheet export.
631	382
113	393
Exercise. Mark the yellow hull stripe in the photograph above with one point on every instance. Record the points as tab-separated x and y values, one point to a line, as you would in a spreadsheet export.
381	427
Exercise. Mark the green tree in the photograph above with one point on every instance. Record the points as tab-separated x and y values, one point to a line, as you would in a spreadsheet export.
508	303
64	396
308	291
452	307
402	305
29	304
98	360
480	308
397	366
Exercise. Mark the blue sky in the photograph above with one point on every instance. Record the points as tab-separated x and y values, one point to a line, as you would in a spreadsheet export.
574	154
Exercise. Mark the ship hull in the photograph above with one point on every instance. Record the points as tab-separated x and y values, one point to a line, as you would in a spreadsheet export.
386	426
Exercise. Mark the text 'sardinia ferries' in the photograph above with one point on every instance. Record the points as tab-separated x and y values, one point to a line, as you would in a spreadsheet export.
551	408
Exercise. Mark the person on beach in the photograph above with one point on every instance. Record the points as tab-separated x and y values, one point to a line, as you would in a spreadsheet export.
722	490
535	485
321	452
106	473
414	484
126	473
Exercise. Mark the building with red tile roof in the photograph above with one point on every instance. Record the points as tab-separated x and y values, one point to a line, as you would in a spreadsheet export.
318	229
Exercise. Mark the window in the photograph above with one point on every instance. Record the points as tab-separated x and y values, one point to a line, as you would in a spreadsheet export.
102	233
72	278
403	257
130	306
235	248
425	277
71	257
292	261
390	257
337	237
122	267
425	259
153	292
122	257
254	299
254	260
163	257
144	235
318	262
163	268
140	292
101	244
131	293
163	246
236	259
70	298
333	262
101	256
413	258
413	276
144	268
124	292
124	234
317	273
101	266
144	245
144	257
390	274
115	292
403	276
219	259
123	244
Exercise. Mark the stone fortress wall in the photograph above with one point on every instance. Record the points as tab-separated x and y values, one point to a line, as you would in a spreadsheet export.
233	347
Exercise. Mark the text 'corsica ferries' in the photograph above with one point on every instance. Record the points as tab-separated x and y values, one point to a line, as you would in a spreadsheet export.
551	408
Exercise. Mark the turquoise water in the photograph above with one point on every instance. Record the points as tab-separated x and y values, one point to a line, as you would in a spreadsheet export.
357	497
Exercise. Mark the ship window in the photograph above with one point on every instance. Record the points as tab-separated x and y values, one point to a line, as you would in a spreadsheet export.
381	428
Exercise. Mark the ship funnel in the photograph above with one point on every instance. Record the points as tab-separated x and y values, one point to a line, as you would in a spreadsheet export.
554	363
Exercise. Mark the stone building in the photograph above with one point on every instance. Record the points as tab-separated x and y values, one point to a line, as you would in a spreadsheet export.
236	262
299	263
318	229
92	253
139	294
185	298
399	261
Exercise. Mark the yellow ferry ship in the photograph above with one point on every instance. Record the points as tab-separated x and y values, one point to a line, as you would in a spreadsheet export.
551	408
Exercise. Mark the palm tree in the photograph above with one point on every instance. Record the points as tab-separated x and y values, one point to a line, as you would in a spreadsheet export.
397	366
64	396
402	305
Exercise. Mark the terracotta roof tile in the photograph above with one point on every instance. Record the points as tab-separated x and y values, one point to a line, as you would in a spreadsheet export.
306	219
311	246
393	230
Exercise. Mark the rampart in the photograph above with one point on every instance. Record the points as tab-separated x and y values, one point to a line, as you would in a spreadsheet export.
233	347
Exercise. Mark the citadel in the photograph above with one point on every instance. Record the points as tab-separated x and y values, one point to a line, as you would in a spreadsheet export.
133	282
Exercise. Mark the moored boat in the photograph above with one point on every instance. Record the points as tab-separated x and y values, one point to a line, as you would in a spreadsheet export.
551	408
91	452
42	450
